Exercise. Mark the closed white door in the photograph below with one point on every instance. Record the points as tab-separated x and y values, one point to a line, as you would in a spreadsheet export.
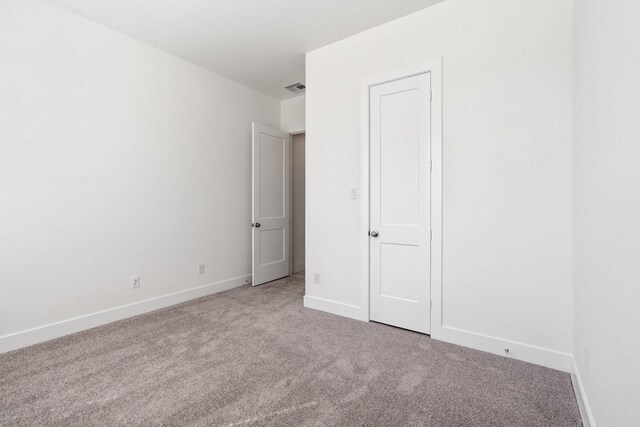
400	203
270	201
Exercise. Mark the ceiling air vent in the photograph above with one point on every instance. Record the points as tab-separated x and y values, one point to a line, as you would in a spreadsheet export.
296	88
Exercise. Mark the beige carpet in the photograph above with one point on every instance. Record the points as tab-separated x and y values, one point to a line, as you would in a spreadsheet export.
255	356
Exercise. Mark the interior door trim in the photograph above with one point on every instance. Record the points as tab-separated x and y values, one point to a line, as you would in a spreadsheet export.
433	67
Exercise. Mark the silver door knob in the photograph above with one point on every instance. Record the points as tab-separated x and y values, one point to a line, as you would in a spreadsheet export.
374	233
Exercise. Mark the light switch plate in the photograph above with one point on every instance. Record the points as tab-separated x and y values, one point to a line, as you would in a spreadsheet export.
353	194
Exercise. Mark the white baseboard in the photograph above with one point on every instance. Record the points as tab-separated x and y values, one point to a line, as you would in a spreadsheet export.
581	396
519	351
298	267
527	353
55	330
333	307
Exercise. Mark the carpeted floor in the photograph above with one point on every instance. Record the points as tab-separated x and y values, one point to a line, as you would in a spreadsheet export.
255	356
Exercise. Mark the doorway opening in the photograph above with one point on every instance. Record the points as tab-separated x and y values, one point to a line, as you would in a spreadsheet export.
297	203
278	204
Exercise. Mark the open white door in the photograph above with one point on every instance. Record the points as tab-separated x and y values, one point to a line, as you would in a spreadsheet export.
400	203
270	201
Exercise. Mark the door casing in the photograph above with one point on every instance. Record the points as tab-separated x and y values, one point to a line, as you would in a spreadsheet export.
435	69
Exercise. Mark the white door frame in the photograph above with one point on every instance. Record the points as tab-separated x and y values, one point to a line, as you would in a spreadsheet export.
435	69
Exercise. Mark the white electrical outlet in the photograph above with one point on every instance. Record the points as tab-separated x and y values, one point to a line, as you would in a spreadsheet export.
201	269
135	282
316	277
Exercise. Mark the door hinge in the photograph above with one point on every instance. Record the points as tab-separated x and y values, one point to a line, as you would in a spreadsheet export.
430	305
430	95
430	165
430	235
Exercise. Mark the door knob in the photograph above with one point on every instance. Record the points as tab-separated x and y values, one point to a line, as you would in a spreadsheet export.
258	225
374	233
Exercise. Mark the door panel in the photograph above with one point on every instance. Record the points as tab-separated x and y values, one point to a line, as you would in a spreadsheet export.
271	176
271	246
270	201
399	157
400	203
399	271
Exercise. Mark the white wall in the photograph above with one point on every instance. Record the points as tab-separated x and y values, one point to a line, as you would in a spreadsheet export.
116	160
292	113
507	165
607	207
298	200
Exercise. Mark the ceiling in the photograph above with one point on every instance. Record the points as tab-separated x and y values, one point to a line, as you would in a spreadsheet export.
259	43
